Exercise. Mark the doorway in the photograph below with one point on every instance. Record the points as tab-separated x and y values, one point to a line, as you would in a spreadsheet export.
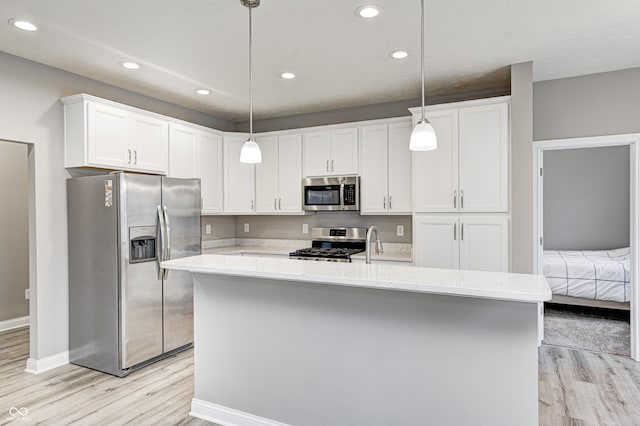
587	240
14	236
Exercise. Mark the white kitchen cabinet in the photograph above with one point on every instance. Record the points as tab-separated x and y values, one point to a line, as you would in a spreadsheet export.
385	168
331	152
279	176
197	153
473	242
107	135
468	172
239	178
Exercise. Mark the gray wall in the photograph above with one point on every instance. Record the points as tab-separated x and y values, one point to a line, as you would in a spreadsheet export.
31	112
222	227
14	231
521	174
290	227
586	198
591	105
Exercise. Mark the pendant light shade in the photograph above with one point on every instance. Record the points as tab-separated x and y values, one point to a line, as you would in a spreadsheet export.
250	152
423	137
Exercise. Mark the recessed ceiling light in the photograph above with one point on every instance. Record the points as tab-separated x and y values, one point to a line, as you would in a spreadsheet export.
287	75
203	91
131	65
23	25
399	54
368	11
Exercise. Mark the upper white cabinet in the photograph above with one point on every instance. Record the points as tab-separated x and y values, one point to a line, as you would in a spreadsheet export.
474	242
469	170
385	167
279	176
104	134
239	178
195	152
331	152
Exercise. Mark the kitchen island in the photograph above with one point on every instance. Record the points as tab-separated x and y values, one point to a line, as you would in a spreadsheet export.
281	341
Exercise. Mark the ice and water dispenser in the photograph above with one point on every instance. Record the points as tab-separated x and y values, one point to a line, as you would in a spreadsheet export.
142	244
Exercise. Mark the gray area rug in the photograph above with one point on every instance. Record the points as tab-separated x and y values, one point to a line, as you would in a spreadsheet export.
592	329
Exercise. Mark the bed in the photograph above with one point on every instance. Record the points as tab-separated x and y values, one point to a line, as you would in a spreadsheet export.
595	275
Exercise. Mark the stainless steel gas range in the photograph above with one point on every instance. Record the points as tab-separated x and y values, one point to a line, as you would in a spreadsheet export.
333	244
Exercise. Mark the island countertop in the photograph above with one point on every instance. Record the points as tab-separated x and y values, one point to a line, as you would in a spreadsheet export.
477	284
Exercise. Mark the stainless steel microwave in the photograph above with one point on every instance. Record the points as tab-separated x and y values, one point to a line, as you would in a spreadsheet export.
331	193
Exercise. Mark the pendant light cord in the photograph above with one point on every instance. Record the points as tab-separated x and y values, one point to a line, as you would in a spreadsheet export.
251	80
421	52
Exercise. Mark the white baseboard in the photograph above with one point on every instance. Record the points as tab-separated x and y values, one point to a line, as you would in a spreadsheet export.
37	366
14	323
227	416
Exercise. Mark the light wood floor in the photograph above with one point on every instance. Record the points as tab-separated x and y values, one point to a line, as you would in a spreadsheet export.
575	388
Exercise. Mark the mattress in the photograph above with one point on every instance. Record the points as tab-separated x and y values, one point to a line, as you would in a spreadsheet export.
594	274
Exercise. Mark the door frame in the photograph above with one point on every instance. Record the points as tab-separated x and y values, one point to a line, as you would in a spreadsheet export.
631	140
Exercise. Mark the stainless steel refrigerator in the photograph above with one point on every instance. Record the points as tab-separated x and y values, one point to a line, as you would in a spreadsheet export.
124	310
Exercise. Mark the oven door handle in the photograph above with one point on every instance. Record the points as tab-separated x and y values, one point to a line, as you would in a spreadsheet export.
342	195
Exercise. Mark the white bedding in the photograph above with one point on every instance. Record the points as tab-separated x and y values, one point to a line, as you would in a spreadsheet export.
598	274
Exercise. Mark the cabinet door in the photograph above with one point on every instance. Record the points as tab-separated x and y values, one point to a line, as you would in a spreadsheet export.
209	152
183	154
484	150
239	178
344	152
316	152
374	166
435	173
290	173
400	171
435	241
484	243
108	137
267	176
150	143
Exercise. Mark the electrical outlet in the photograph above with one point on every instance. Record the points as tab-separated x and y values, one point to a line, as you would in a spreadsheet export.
400	230
207	229
305	228
246	227
27	294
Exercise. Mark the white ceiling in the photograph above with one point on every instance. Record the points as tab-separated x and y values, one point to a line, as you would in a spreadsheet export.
340	60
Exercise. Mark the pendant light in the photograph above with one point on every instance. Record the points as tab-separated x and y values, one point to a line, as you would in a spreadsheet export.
423	137
250	152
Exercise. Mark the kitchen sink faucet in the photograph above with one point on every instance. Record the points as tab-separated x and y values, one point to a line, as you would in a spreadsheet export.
379	249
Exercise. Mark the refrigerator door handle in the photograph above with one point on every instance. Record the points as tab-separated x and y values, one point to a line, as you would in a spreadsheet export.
168	253
163	238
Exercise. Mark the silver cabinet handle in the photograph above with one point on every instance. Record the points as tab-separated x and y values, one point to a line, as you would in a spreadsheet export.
129	155
331	165
252	204
455	197
161	255
275	204
461	199
135	156
454	230
390	205
327	166
279	203
168	255
462	231
384	202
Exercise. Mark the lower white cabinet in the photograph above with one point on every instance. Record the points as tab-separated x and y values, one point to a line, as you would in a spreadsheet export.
197	153
474	242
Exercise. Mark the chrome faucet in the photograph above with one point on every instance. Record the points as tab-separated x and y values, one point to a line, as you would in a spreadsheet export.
379	249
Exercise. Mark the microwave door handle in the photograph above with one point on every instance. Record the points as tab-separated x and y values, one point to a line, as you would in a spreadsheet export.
160	253
342	195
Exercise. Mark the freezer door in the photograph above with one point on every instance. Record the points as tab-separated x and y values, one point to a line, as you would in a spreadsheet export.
141	290
181	205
